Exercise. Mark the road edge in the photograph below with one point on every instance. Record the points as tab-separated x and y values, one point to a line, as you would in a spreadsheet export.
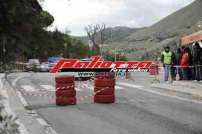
194	96
7	107
47	127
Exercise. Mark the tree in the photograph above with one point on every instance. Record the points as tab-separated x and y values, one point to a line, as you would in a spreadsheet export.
95	34
78	49
23	34
102	31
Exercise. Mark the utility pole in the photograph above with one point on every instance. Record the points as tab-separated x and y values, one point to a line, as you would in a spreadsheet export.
115	54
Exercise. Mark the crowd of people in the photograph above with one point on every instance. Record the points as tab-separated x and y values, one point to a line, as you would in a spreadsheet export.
183	64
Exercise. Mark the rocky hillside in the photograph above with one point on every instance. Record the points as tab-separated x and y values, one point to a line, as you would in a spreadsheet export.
118	33
148	42
113	34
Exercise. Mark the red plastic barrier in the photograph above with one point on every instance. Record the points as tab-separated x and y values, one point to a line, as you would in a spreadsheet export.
65	90
66	101
104	88
104	98
65	93
63	79
104	82
154	69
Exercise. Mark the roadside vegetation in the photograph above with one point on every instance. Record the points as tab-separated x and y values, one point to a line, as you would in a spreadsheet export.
23	34
8	123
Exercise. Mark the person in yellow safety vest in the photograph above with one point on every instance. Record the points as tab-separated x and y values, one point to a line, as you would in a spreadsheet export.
166	59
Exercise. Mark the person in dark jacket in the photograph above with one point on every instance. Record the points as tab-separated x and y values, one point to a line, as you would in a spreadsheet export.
197	61
173	67
190	69
200	64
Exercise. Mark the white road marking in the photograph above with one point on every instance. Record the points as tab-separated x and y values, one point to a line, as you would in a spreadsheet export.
42	122
85	86
17	79
88	86
118	87
28	88
22	99
48	87
78	89
158	93
130	85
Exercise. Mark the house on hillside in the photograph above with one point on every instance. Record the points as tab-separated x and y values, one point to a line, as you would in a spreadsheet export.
190	39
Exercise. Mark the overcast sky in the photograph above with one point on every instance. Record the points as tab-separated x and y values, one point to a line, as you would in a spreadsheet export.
74	15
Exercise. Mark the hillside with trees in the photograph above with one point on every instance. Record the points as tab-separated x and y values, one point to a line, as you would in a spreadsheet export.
23	34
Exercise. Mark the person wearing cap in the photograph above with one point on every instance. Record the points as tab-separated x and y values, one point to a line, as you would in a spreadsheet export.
166	59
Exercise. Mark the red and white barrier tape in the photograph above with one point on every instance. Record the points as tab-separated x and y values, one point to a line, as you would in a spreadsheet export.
179	66
64	87
92	95
45	95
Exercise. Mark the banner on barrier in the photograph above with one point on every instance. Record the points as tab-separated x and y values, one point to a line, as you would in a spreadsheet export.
97	64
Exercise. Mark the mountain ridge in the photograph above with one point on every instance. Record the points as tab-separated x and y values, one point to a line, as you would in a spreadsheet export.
149	41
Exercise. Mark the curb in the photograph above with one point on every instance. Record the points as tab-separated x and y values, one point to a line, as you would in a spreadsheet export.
8	110
194	96
47	128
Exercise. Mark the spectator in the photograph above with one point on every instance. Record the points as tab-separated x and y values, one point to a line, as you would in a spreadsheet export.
182	51
197	54
173	68
196	60
178	59
185	63
166	59
200	62
200	70
190	69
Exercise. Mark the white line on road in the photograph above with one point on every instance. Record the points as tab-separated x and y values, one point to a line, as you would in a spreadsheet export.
22	99
158	93
17	79
42	122
88	86
78	89
28	88
129	85
48	87
84	86
118	87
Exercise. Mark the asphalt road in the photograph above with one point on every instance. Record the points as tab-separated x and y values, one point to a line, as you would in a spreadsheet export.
138	109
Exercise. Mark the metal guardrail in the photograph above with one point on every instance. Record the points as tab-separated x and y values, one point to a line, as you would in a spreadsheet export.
13	67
